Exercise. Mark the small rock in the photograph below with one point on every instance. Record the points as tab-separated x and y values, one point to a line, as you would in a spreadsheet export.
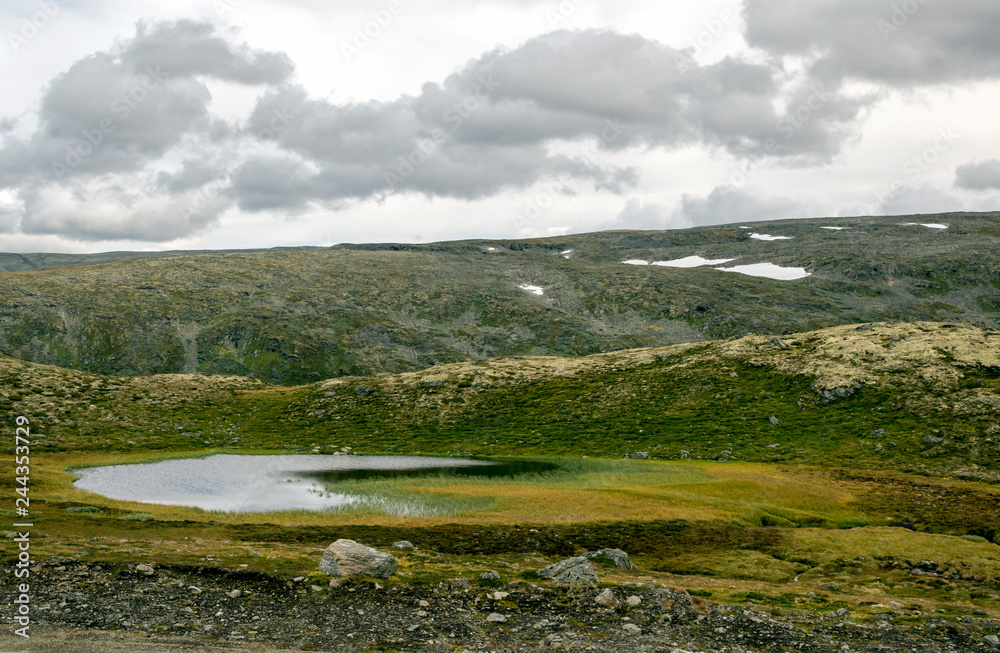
895	605
992	641
424	604
930	439
632	629
774	420
234	594
640	455
878	433
500	596
403	544
489	576
830	587
421	613
316	588
843	612
496	618
362	391
254	554
734	375
780	344
606	599
194	590
144	569
633	601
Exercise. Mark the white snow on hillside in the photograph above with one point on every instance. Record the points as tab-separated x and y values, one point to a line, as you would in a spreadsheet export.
770	237
692	262
769	271
533	289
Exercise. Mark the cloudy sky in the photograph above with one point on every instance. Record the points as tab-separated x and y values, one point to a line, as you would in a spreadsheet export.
253	123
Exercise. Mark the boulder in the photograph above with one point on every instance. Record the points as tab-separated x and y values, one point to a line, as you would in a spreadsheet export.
573	571
489	576
606	599
640	455
348	558
617	556
774	420
403	544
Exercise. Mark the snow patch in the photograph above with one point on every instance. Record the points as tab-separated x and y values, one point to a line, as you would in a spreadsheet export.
567	253
533	289
770	237
692	262
769	271
929	226
835	228
635	262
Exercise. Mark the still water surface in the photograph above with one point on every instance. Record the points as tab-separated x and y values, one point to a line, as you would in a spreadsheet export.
233	483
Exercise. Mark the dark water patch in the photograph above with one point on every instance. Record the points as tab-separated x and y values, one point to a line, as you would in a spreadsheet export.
499	469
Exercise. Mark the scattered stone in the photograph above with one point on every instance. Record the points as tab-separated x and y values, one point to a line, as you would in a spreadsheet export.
331	393
930	439
421	613
780	344
836	393
632	629
606	599
574	571
734	375
424	604
234	594
992	641
489	576
843	612
194	590
254	554
774	420
878	433
830	587
640	455
348	558
144	569
897	606
619	557
362	391
499	596
403	544
316	588
496	618
191	434
633	601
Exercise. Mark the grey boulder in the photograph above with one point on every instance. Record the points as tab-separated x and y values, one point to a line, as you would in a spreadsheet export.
617	556
573	571
348	558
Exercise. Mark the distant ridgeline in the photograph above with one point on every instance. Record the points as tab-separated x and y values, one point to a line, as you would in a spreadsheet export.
295	315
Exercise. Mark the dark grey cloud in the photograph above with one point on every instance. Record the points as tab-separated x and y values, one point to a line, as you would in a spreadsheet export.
980	175
902	44
112	114
489	126
188	48
727	204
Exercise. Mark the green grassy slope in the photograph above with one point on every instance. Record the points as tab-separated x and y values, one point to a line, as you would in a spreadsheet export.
917	397
302	315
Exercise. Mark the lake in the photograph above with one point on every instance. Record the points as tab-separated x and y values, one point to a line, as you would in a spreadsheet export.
240	483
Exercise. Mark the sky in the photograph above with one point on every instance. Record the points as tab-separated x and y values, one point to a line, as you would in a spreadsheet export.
250	123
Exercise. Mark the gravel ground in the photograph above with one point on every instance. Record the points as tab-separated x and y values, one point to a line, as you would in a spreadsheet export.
83	607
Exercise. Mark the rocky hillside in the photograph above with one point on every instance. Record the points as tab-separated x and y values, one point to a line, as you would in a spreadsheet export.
302	315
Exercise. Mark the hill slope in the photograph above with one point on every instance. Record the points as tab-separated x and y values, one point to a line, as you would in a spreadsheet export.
299	315
920	397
